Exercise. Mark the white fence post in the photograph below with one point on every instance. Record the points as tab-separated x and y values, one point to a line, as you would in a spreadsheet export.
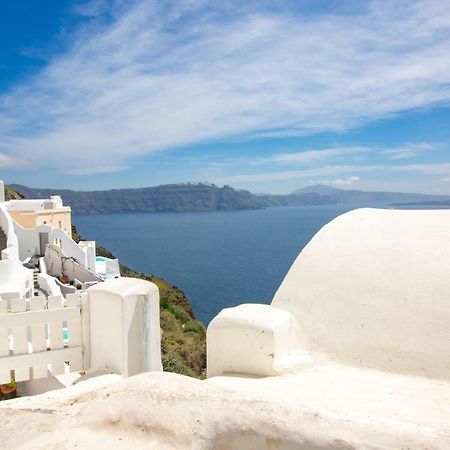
124	326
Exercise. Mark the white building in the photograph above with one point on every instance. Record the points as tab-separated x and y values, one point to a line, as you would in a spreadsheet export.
38	233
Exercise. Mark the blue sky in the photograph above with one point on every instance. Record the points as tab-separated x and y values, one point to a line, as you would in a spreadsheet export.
263	95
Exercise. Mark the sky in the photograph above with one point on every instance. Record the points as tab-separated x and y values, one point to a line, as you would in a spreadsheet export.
264	95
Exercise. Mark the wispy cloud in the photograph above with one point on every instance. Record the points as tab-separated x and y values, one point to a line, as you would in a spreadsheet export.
424	169
410	150
313	156
91	170
157	75
344	181
310	157
12	161
322	171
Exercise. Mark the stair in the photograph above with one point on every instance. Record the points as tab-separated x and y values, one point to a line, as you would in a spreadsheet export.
35	278
3	242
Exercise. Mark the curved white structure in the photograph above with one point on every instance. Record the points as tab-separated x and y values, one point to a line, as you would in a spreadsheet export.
371	289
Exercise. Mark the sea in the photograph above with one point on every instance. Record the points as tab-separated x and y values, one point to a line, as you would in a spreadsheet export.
219	259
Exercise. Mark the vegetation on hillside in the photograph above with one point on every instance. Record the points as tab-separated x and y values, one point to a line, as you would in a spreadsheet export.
11	194
183	340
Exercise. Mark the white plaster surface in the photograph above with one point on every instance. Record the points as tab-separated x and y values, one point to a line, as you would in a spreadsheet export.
325	407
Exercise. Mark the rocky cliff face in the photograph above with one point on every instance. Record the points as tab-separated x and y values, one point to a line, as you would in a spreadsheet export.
166	198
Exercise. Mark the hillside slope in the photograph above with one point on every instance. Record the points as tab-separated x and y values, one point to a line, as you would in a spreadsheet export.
11	194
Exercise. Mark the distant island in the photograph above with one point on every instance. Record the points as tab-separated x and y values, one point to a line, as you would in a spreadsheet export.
430	203
198	197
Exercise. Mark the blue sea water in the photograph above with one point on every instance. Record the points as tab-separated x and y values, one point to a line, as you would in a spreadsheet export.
219	259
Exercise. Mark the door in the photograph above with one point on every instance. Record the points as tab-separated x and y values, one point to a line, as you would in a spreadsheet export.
43	241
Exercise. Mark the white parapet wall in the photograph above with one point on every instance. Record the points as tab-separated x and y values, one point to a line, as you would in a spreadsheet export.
266	332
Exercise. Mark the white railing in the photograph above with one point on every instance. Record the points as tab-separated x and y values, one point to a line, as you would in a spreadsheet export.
38	337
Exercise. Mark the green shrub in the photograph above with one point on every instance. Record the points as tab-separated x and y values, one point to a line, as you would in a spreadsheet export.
168	323
181	314
175	364
164	303
196	327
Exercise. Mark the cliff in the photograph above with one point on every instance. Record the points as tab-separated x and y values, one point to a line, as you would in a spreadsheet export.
191	197
166	198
